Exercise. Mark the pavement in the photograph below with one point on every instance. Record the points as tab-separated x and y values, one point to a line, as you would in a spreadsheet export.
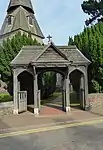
27	120
98	111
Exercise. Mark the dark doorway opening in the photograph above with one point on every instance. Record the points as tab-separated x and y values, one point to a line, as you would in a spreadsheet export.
26	83
76	90
51	91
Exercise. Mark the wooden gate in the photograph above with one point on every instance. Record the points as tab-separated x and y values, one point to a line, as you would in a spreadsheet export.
22	104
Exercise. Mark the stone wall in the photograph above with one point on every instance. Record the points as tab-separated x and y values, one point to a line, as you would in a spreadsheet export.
96	100
6	109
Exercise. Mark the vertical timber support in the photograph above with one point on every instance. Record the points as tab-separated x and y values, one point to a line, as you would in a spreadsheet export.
39	99
67	82
15	93
63	94
82	92
36	109
87	105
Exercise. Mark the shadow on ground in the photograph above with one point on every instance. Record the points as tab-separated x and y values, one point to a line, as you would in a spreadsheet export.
54	106
96	113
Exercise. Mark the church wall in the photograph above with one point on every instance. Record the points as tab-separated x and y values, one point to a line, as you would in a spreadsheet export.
4	37
33	36
59	80
12	34
37	38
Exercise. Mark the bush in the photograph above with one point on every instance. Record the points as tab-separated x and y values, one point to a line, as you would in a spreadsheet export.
96	87
5	97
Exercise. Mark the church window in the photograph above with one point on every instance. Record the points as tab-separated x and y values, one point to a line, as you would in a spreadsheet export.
30	20
9	20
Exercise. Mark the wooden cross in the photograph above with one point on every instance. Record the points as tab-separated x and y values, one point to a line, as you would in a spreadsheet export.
49	38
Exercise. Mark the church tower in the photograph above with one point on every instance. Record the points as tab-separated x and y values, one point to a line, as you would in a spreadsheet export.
20	17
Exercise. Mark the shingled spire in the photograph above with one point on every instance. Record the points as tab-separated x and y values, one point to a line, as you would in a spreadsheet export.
20	17
24	3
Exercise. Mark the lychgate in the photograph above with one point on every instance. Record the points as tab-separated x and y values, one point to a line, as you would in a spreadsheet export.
34	60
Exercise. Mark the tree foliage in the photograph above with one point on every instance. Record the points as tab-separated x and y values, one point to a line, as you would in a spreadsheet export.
9	49
90	42
71	42
94	8
47	84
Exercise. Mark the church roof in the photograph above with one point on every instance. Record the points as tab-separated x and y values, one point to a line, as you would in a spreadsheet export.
37	54
24	3
20	21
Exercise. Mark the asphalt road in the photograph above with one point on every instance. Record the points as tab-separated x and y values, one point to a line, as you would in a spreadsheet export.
88	137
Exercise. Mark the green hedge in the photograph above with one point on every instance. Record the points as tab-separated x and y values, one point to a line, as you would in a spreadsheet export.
5	97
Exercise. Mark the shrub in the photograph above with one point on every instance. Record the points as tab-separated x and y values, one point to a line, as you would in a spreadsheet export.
5	97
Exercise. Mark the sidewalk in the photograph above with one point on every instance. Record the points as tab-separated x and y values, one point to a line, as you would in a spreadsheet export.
27	120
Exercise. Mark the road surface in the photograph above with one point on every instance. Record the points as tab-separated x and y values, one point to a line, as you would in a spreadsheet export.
86	137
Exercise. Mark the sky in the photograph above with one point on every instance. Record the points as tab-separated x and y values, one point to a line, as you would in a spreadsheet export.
59	18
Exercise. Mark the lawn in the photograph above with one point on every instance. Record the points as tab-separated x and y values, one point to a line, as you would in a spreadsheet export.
73	99
51	98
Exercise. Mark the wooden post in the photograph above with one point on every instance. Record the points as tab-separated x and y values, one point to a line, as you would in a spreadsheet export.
87	104
82	93
67	95
36	110
39	100
63	94
15	93
67	91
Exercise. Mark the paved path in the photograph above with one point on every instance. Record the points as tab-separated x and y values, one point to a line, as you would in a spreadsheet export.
54	107
87	137
27	120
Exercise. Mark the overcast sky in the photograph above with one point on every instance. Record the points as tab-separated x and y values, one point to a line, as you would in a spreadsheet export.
60	18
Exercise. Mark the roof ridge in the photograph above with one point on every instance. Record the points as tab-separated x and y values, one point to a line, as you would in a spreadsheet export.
33	46
67	46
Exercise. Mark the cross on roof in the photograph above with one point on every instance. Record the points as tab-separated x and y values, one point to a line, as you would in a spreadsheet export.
49	38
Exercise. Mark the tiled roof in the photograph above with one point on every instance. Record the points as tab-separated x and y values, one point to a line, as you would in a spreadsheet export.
31	53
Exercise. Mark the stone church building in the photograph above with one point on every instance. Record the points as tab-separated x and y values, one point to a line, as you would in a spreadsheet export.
20	17
31	61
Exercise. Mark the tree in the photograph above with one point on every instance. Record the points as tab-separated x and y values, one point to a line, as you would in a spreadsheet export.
47	84
90	42
94	8
71	42
9	49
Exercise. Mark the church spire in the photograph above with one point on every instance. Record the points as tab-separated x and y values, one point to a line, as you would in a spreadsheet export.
20	17
24	3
